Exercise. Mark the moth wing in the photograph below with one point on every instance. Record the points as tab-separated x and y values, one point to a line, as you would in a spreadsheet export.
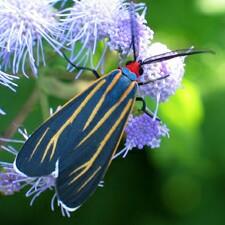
81	172
60	133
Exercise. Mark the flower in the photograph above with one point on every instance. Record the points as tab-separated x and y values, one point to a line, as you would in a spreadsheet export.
141	131
120	37
23	27
93	21
88	22
144	130
162	89
9	181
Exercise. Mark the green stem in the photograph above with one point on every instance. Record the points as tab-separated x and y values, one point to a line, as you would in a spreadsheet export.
44	104
22	115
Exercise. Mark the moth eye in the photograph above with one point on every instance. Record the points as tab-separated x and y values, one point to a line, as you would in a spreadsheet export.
141	71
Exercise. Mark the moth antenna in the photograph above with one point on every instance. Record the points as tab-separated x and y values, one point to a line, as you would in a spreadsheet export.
133	25
80	67
174	54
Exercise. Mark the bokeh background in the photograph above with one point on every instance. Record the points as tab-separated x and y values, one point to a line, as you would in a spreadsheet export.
183	182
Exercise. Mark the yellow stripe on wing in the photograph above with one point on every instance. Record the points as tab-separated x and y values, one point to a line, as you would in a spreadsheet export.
117	145
78	95
86	166
53	141
108	114
102	99
89	179
39	142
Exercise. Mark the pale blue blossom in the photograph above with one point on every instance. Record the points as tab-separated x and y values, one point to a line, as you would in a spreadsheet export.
91	23
87	23
24	25
142	131
162	89
120	36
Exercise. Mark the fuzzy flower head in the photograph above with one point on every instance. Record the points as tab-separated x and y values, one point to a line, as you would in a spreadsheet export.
143	131
85	25
120	34
161	90
23	26
88	21
92	21
10	181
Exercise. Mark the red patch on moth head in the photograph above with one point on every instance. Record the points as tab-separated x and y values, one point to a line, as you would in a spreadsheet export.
134	67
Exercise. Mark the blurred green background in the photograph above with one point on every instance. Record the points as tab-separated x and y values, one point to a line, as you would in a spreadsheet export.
183	182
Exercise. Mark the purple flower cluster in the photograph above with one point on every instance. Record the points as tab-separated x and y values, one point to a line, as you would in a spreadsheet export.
120	32
88	22
9	181
23	27
143	131
97	22
161	90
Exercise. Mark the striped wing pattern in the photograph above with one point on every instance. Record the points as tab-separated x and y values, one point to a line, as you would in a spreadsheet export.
41	151
82	137
81	172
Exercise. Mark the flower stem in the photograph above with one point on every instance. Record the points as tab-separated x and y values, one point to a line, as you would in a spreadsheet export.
44	105
22	115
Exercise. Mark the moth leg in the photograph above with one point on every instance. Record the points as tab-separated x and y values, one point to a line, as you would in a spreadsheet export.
144	108
94	72
153	80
